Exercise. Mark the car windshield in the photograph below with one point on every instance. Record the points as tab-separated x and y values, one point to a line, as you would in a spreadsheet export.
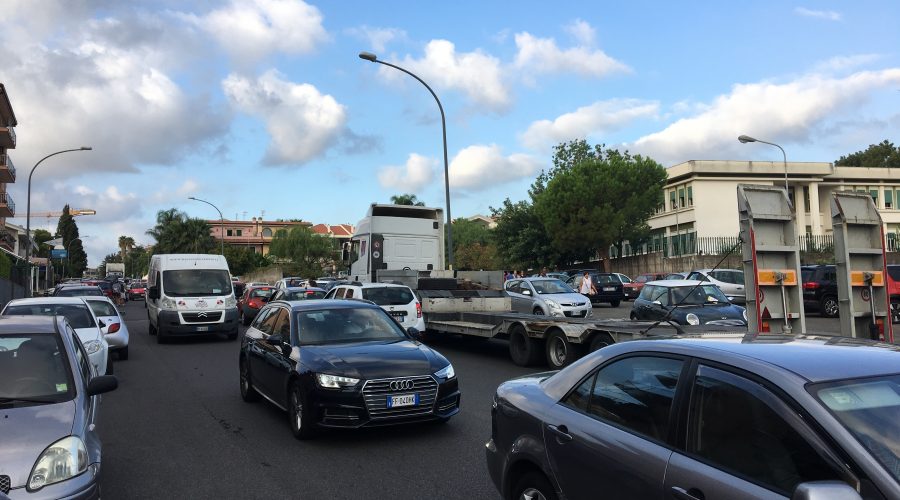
261	292
868	409
33	369
343	325
605	279
196	282
693	296
77	314
624	279
78	291
103	308
304	295
726	276
546	287
388	295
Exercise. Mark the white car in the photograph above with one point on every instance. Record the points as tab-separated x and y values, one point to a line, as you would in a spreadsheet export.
730	281
112	324
81	317
398	300
291	281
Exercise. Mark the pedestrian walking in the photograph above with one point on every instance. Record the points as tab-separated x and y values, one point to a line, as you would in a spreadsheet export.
587	285
119	293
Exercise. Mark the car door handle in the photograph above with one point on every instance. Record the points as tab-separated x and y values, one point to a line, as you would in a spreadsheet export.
683	494
561	432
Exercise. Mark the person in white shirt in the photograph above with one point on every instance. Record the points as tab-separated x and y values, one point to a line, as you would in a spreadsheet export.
587	285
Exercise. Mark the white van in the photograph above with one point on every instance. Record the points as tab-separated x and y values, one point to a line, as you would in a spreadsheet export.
190	294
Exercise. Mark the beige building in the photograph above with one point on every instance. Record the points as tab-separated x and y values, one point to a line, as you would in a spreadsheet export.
700	198
7	170
256	233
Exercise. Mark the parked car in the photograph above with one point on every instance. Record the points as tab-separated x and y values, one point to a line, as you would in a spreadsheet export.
331	284
290	282
397	300
81	318
299	293
559	276
343	364
730	281
633	289
676	276
114	329
137	290
106	286
609	288
547	296
623	278
253	299
893	282
258	283
49	401
687	302
763	417
78	291
820	289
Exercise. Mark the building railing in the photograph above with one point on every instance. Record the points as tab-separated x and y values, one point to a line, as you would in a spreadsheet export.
6	199
6	161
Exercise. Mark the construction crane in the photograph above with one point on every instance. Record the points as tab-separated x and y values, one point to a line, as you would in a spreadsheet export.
74	212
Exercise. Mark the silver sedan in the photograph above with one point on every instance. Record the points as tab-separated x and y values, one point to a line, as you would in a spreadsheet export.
112	324
548	297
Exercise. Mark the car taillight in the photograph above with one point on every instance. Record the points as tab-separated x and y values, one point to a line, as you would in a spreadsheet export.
254	303
810	285
113	328
418	309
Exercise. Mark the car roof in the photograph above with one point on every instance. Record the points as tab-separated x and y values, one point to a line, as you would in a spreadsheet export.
676	283
372	285
317	305
28	324
47	300
711	270
303	289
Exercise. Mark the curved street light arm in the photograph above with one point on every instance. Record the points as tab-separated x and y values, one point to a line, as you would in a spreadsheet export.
221	221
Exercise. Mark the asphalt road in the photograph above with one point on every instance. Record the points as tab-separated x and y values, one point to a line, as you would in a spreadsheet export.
177	428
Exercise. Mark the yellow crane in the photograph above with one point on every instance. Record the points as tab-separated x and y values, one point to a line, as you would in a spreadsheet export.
74	212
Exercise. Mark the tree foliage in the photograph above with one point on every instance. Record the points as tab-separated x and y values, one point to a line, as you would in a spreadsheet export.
67	229
242	260
881	155
406	199
473	246
41	237
521	239
308	252
175	232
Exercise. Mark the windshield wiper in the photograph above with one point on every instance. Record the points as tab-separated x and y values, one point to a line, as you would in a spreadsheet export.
24	400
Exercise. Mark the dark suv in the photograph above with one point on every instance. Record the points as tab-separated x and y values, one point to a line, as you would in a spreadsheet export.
820	289
609	287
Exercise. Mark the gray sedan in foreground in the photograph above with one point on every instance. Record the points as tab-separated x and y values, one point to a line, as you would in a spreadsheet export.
49	447
761	417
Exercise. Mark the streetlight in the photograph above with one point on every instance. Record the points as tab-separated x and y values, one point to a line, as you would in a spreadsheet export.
368	56
28	212
746	138
68	260
221	220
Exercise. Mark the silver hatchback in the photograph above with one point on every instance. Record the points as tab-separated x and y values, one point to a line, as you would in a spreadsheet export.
548	297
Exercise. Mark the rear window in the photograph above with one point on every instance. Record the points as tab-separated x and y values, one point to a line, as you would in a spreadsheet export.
78	291
388	295
733	277
807	274
103	308
261	292
304	295
606	279
77	314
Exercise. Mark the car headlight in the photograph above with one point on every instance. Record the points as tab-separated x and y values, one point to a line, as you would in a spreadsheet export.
230	301
692	319
62	460
552	304
445	373
92	346
168	303
335	381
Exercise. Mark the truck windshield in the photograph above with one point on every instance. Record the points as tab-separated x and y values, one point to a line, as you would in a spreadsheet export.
196	282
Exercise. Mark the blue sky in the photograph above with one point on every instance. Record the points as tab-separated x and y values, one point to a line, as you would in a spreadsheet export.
263	105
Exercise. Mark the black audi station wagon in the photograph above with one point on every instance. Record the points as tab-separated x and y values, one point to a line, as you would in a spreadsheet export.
343	364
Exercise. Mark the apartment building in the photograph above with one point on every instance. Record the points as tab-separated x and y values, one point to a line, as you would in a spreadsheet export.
8	239
256	233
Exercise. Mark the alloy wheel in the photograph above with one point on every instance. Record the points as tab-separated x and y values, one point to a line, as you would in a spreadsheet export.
558	351
532	494
297	409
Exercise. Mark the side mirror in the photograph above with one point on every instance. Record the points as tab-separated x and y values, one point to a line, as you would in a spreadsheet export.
414	333
657	303
526	292
101	323
825	490
153	292
101	384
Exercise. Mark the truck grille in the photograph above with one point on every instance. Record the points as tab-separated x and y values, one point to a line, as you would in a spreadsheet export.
202	317
4	484
377	391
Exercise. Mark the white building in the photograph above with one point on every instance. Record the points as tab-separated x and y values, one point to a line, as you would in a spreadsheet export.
701	196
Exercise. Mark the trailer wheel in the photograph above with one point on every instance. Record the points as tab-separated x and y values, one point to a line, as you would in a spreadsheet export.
600	341
523	350
561	352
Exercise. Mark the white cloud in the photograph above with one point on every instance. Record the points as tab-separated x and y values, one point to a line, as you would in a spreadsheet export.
377	38
302	122
476	74
542	55
828	15
410	178
582	32
783	113
250	30
844	63
597	118
482	167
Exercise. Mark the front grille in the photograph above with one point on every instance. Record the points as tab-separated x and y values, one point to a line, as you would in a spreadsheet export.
727	322
575	314
573	304
4	484
376	392
202	317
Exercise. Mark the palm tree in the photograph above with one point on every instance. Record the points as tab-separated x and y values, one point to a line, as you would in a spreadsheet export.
406	199
126	243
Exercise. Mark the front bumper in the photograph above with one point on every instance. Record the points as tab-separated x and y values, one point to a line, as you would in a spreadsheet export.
85	486
631	293
171	323
573	312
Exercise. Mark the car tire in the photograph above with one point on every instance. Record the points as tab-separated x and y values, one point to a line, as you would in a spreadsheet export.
244	319
615	303
123	353
600	341
160	336
524	350
633	316
560	352
150	328
533	485
829	307
248	392
233	335
299	413
538	311
110	369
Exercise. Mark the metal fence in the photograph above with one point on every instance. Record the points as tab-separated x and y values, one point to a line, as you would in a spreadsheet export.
691	244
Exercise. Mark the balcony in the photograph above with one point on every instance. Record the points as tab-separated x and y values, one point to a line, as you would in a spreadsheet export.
7	205
7	169
7	137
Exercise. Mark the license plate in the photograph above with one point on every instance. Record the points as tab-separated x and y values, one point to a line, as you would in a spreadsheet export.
402	400
202	328
609	289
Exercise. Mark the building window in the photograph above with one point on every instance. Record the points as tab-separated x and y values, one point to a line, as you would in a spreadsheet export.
672	204
228	232
267	233
681	202
240	232
874	194
888	198
806	198
690	196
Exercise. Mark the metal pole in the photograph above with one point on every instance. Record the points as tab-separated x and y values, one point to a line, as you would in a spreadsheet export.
372	58
28	290
221	221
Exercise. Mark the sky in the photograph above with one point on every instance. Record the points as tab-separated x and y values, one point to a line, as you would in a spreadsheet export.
263	107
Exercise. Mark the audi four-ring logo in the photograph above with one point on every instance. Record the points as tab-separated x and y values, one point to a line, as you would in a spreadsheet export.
401	385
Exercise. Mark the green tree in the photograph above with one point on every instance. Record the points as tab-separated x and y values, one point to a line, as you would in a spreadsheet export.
67	229
473	246
125	244
175	232
308	252
601	201
520	237
884	154
406	199
242	260
41	237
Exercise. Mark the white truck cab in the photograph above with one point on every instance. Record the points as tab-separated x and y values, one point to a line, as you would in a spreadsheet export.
190	294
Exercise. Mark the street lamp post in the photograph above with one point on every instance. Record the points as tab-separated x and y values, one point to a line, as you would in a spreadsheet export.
221	220
368	56
28	212
746	138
